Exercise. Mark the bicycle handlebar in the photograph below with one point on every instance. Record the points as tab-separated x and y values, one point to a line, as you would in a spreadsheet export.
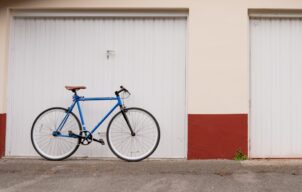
122	89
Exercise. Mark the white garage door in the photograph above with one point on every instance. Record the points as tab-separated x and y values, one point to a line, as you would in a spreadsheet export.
276	87
147	55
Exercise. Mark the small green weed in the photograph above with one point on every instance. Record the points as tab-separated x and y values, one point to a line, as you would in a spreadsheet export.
240	156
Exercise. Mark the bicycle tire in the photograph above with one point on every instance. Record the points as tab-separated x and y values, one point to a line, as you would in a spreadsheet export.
137	128
44	153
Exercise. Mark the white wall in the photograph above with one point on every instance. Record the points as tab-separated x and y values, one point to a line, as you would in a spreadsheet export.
218	45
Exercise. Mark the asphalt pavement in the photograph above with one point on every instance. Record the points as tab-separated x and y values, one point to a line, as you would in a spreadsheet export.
37	175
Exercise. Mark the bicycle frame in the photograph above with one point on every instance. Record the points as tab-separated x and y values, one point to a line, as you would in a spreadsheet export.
76	101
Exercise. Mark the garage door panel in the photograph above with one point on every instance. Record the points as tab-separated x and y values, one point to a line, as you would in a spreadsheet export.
148	58
276	92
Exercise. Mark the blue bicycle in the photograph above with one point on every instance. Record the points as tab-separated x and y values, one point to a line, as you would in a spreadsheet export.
133	134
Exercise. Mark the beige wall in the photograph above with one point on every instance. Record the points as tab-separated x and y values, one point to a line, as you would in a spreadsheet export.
3	58
218	45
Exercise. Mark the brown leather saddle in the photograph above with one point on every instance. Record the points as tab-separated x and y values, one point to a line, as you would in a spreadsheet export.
74	88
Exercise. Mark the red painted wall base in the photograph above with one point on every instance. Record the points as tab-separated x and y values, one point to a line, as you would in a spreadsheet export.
215	136
2	134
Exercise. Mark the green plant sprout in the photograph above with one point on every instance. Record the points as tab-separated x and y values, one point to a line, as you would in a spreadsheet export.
239	155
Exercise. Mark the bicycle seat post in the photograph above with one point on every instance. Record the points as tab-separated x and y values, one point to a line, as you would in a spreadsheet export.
75	95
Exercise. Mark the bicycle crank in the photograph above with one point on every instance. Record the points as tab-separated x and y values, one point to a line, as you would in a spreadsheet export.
84	139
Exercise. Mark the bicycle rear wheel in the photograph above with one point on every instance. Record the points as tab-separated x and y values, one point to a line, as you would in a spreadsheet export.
142	144
53	147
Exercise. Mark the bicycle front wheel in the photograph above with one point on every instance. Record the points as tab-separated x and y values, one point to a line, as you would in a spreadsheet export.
50	146
142	144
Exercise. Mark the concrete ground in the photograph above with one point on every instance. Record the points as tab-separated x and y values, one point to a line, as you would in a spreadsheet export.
150	175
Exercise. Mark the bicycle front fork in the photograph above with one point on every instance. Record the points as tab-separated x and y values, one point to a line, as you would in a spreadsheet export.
123	110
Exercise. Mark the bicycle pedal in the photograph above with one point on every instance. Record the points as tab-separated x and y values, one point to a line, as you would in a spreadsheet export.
71	134
101	141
